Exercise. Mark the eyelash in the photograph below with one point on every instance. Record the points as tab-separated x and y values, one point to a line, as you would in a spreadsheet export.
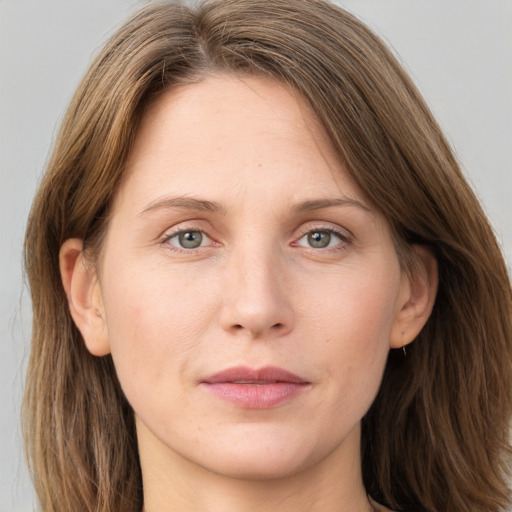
345	240
168	236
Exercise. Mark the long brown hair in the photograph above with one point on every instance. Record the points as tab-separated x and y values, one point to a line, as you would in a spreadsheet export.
436	438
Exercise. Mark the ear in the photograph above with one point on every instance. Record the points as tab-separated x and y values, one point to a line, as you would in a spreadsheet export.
416	299
82	287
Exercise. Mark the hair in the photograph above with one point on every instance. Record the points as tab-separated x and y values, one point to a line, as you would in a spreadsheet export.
437	436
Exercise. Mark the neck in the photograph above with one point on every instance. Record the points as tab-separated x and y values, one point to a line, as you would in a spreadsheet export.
333	484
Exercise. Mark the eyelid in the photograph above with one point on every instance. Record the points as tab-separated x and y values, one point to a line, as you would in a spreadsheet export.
344	235
198	224
173	232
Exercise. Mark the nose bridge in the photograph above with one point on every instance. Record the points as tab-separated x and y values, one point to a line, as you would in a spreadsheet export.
257	300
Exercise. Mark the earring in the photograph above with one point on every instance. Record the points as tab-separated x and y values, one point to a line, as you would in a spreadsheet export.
405	352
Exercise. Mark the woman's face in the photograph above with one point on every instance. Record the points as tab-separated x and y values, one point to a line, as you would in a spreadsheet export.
248	288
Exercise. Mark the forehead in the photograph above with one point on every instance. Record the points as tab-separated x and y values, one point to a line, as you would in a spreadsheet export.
228	133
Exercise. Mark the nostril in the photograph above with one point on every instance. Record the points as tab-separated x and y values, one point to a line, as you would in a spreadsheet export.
278	325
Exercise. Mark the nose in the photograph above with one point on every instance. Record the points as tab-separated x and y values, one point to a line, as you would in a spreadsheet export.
257	299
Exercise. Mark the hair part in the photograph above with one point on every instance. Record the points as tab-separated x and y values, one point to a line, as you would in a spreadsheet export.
436	437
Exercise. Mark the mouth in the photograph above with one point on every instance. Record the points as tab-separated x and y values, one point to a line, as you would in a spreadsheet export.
249	388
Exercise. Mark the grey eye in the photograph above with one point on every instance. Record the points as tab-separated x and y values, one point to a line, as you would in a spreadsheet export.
319	239
188	239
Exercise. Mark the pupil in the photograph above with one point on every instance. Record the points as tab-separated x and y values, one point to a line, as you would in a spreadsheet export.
319	239
190	239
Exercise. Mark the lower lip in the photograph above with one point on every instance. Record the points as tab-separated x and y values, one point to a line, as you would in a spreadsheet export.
256	396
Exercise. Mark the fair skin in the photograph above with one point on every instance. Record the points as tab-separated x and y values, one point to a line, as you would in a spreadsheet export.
238	239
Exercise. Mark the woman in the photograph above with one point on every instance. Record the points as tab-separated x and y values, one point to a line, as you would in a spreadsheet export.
247	207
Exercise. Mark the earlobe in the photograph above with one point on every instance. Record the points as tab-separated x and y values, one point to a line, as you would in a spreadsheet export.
83	291
417	297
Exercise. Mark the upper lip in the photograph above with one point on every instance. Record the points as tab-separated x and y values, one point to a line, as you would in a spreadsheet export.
245	375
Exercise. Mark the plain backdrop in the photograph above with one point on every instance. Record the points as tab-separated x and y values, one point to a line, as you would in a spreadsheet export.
459	52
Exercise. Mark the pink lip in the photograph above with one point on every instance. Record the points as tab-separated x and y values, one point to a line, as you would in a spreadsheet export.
255	389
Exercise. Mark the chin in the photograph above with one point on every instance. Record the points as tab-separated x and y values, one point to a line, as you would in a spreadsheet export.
254	466
263	454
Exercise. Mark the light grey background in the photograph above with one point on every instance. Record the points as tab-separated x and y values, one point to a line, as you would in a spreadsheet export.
459	52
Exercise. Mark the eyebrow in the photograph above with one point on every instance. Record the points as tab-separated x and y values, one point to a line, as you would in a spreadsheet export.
318	204
185	203
202	205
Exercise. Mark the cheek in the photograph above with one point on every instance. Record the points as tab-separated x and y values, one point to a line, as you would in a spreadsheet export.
155	325
358	307
351	320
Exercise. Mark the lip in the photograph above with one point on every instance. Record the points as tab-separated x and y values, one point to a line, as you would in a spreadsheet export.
261	388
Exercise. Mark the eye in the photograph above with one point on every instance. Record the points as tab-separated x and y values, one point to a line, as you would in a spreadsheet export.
321	239
188	239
